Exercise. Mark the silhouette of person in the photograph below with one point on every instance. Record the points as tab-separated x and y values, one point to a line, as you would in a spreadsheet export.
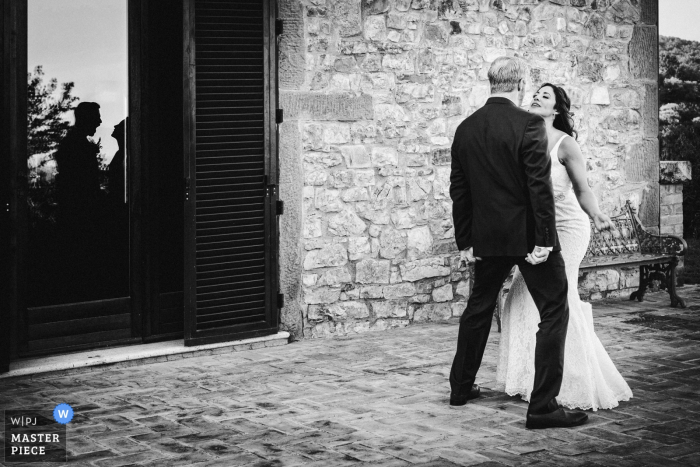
80	207
116	245
115	175
78	179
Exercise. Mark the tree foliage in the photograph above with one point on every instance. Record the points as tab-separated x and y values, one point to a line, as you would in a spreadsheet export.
46	127
679	117
45	112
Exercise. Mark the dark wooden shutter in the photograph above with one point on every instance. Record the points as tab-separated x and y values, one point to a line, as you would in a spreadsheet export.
230	232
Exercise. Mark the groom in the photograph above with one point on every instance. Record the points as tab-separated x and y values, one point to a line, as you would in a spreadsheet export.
503	210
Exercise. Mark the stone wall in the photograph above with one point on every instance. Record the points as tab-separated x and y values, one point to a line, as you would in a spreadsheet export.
373	91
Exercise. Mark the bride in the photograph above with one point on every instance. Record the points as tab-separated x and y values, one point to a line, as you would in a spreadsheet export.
590	379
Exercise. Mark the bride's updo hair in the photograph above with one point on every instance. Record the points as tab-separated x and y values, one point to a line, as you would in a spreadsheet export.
564	119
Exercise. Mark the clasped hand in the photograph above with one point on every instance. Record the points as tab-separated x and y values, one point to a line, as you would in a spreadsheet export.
539	255
467	256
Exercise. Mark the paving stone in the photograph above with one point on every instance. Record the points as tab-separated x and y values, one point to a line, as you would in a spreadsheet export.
194	458
130	459
377	399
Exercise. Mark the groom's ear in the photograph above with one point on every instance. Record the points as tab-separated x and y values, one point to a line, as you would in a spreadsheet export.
521	84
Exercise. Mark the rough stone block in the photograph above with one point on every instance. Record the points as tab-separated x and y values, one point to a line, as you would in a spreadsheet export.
441	156
371	271
375	28
346	223
384	324
643	53
463	288
406	289
318	106
349	309
443	294
642	161
649	206
328	256
650	111
334	277
458	308
359	248
347	16
419	242
431	312
650	12
392	243
375	7
389	308
600	96
328	200
420	269
291	48
383	156
321	295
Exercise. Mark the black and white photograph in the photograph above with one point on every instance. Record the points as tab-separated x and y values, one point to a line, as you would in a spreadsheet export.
330	233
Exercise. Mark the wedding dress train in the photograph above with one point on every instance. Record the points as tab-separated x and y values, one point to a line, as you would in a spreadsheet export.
590	379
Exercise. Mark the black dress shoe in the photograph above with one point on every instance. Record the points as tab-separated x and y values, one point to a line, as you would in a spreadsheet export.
560	418
461	399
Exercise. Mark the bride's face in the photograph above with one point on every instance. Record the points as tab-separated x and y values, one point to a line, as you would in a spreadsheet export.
543	102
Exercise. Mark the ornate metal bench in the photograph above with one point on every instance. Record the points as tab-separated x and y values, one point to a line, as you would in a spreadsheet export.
630	245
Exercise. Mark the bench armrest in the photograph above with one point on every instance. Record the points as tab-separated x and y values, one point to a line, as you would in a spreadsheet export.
657	244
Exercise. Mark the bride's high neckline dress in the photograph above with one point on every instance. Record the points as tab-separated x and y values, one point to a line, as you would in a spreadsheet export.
590	380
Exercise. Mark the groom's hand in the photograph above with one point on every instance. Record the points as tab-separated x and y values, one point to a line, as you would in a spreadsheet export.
467	256
538	255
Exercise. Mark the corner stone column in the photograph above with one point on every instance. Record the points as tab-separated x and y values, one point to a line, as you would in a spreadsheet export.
644	66
292	59
672	176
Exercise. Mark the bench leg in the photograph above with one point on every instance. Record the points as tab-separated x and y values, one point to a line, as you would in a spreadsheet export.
671	284
643	284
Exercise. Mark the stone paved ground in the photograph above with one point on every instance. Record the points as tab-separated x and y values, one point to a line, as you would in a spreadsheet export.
379	399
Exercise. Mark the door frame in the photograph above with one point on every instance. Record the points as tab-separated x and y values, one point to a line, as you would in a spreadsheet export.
14	98
13	179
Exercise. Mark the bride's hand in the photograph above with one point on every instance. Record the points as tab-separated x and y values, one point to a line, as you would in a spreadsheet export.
603	222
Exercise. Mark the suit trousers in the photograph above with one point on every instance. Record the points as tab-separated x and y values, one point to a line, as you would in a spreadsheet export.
548	286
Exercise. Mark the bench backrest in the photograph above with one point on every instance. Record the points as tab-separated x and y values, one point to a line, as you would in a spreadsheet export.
625	240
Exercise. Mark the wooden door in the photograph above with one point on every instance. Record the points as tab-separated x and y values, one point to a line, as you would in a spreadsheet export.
230	170
68	282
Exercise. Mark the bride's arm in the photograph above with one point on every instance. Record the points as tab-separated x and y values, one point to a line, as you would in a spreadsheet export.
572	158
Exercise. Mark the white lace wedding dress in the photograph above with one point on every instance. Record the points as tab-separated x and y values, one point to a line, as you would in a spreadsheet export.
590	380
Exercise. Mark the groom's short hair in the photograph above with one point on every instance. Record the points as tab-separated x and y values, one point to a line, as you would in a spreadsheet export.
505	72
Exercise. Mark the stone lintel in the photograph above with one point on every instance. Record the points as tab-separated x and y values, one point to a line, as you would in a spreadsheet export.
320	106
674	172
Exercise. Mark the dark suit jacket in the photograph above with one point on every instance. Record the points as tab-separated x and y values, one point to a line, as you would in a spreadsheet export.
501	188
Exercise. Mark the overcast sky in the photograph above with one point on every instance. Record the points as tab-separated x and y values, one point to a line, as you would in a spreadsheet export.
84	41
679	18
